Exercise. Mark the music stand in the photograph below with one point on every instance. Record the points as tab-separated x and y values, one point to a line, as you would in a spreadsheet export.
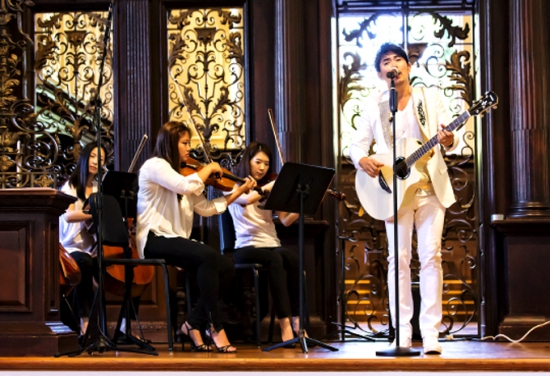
123	187
300	188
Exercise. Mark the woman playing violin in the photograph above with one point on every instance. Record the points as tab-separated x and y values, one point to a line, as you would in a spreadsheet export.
257	241
166	202
73	233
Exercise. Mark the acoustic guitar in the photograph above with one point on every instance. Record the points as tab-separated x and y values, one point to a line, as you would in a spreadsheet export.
375	194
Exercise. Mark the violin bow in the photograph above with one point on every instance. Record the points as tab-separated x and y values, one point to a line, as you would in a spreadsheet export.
199	134
272	122
338	195
138	152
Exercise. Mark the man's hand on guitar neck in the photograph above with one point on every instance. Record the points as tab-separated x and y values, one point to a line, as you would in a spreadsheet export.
371	166
445	137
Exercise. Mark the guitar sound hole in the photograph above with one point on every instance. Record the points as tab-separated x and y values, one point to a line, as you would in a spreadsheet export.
401	169
383	183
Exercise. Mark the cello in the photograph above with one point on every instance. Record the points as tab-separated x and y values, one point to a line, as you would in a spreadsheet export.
69	271
115	274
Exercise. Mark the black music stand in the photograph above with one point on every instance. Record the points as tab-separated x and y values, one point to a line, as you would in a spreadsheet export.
123	187
300	188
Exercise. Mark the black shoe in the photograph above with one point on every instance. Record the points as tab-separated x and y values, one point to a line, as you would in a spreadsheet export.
224	349
193	346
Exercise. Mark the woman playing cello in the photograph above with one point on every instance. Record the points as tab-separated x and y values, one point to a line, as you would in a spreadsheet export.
73	233
166	202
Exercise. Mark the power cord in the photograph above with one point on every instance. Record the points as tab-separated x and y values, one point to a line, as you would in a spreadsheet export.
515	341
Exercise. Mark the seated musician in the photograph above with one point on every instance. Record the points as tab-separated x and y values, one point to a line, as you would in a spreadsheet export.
166	202
257	241
74	235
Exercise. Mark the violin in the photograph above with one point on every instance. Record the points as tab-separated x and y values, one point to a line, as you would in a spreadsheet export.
224	182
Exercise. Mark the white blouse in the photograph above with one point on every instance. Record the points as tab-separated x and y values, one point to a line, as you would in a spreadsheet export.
158	208
74	236
253	226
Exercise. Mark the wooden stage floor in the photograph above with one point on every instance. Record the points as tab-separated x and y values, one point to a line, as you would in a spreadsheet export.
466	356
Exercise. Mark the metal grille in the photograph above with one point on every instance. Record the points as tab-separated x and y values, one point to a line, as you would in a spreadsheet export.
39	146
206	59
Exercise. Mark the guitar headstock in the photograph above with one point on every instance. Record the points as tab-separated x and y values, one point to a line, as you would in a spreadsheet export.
489	100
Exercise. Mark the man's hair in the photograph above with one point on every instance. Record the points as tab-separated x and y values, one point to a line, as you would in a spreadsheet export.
385	49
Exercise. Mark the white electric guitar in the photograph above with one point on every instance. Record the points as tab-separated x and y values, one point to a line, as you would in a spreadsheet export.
375	194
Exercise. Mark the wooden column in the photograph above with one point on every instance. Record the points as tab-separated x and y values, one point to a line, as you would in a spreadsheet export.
133	80
29	273
289	76
524	233
530	110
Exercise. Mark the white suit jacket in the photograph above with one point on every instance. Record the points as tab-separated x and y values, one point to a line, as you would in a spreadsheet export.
430	113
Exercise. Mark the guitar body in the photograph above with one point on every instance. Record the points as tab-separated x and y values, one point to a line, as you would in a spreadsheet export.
376	194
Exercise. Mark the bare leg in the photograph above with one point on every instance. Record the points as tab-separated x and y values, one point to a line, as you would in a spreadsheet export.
286	329
221	341
84	324
296	325
195	336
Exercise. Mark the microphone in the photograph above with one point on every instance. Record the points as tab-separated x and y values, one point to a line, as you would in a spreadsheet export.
393	73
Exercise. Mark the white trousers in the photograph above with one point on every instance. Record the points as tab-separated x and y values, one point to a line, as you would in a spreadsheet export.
426	214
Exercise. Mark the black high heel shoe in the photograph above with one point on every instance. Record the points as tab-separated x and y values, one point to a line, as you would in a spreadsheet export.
194	347
224	349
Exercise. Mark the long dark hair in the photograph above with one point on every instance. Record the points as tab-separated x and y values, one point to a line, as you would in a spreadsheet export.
243	169
80	174
167	142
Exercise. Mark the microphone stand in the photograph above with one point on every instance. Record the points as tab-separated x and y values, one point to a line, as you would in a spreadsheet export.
398	350
97	325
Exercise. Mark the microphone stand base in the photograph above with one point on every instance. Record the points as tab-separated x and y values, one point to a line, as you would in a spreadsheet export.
398	351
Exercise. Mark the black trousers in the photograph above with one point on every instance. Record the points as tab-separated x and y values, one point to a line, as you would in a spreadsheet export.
84	291
214	272
283	275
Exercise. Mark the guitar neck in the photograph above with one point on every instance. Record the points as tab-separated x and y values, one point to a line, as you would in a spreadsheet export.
433	141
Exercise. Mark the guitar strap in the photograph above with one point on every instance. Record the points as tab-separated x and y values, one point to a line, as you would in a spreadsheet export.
385	117
420	111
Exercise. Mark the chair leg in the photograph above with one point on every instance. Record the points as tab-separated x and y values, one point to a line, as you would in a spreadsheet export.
72	313
271	325
168	314
257	302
